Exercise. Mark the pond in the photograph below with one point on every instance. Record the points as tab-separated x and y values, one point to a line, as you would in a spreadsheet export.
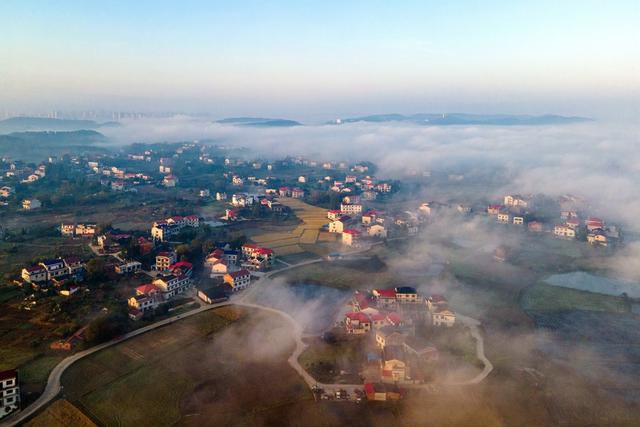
583	281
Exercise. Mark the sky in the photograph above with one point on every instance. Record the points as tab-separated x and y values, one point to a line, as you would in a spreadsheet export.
320	60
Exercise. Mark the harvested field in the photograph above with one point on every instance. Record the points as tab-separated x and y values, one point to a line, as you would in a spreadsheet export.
61	414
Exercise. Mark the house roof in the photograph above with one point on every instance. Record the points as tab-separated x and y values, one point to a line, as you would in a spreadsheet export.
54	261
360	317
437	298
406	290
72	260
361	299
239	273
385	293
335	211
352	232
34	268
214	292
250	246
181	264
11	373
146	288
394	318
265	251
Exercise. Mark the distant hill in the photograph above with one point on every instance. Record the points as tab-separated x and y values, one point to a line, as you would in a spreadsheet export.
259	121
467	119
23	124
36	146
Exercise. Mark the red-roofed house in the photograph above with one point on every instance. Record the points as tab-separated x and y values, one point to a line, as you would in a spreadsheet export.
350	237
593	223
359	301
385	297
494	209
357	323
334	214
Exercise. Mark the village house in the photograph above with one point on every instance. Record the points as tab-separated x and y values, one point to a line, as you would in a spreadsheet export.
369	195
407	295
518	220
350	237
297	193
55	268
357	323
504	217
284	191
334	214
238	280
171	285
170	181
593	223
516	200
564	231
67	229
597	237
443	316
394	367
128	267
204	193
213	294
352	209
382	392
389	336
494	209
34	274
378	231
237	181
164	260
85	230
9	392
338	225
31	204
230	215
221	196
385	297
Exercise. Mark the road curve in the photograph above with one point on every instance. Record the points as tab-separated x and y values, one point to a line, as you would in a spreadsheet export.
53	386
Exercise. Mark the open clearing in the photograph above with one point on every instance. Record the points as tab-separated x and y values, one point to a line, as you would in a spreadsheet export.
223	367
61	413
544	297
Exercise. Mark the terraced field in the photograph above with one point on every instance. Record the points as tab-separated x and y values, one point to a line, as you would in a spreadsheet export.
288	241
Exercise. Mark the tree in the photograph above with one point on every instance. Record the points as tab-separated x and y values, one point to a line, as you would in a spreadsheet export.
106	328
95	269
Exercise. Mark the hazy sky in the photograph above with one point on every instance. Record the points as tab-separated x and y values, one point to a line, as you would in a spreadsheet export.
324	59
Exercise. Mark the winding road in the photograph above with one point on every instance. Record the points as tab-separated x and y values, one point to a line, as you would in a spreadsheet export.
54	386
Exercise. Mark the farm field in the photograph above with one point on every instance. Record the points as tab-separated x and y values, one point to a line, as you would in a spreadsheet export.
61	413
222	367
286	240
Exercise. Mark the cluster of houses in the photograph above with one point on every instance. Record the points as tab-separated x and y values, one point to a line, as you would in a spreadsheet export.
162	231
77	230
174	278
57	272
520	210
390	316
225	262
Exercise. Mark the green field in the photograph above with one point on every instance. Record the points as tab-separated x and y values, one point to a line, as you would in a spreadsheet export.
543	297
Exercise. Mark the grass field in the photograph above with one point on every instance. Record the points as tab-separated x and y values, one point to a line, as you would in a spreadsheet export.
61	413
222	367
543	297
341	274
